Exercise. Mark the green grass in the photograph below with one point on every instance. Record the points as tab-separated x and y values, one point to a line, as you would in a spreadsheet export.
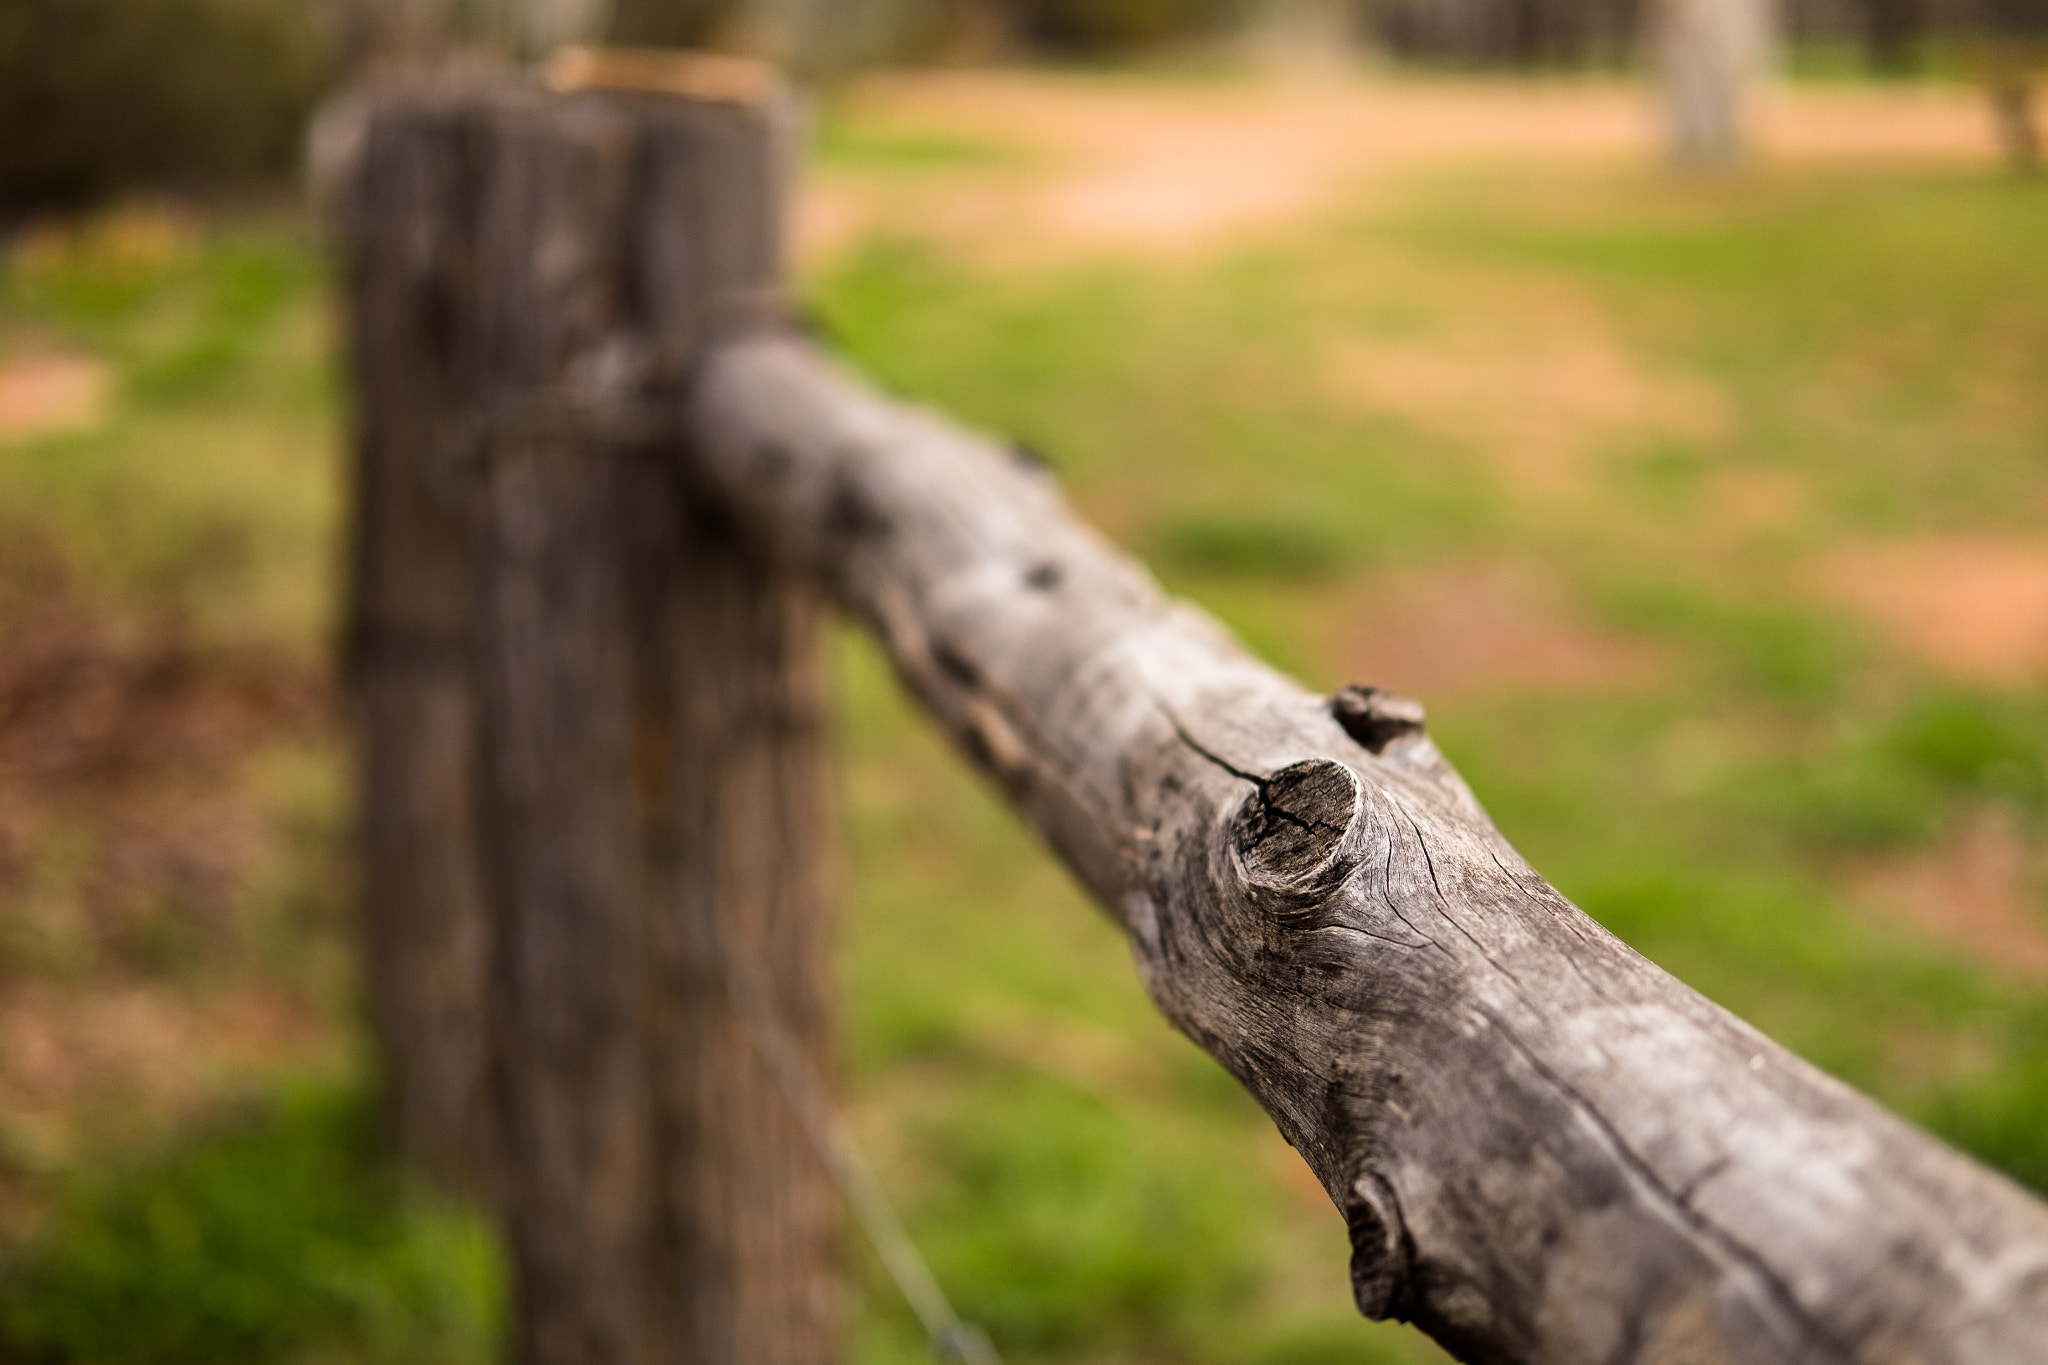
277	1236
840	146
1087	1185
212	490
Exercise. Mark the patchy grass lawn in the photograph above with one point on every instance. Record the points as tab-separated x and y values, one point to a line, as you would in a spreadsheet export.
1705	516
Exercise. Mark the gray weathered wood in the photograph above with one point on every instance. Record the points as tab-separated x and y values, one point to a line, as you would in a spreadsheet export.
1546	1149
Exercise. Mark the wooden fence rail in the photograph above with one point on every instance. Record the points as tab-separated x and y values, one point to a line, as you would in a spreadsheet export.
605	487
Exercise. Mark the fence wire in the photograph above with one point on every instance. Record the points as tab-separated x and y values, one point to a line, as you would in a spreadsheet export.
808	1096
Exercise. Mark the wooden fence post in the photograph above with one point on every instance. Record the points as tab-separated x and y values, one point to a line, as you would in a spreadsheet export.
645	787
409	649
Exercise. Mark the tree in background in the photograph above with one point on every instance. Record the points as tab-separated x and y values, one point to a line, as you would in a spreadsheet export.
97	96
1521	34
811	36
673	23
1710	55
2014	50
1104	27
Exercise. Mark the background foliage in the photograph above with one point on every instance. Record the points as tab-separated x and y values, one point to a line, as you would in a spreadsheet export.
104	95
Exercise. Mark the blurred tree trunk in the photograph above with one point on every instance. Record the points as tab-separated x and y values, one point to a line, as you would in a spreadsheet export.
2015	51
1711	55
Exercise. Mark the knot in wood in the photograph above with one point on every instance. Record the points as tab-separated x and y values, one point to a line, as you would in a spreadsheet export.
1290	836
1376	717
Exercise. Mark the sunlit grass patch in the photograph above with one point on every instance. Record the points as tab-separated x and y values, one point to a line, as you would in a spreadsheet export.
840	145
1260	547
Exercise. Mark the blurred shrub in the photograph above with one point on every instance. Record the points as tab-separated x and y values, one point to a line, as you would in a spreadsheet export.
101	96
1250	546
279	1234
1888	780
1975	744
1109	27
674	23
2002	1116
1518	33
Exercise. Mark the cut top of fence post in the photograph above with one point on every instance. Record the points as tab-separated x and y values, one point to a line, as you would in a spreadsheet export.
655	71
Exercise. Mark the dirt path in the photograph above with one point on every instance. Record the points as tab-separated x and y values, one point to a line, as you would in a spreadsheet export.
50	391
1156	166
1972	607
1979	892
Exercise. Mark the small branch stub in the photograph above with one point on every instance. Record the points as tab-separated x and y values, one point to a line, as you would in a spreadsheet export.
1292	837
1376	717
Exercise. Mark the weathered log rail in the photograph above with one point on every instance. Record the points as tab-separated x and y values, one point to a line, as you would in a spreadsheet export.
568	308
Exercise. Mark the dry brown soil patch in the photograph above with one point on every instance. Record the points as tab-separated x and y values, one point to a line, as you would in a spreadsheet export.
1533	376
50	391
1481	627
1980	892
132	839
1123	165
1974	607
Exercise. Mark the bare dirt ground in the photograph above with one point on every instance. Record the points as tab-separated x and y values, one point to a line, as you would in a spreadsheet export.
48	390
131	840
1979	892
1454	630
1973	607
1127	165
1537	412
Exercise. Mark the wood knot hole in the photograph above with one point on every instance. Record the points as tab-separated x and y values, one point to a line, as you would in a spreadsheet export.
1375	717
1290	833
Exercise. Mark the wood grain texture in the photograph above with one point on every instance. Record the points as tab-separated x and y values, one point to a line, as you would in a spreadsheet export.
412	579
556	693
735	787
1545	1148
